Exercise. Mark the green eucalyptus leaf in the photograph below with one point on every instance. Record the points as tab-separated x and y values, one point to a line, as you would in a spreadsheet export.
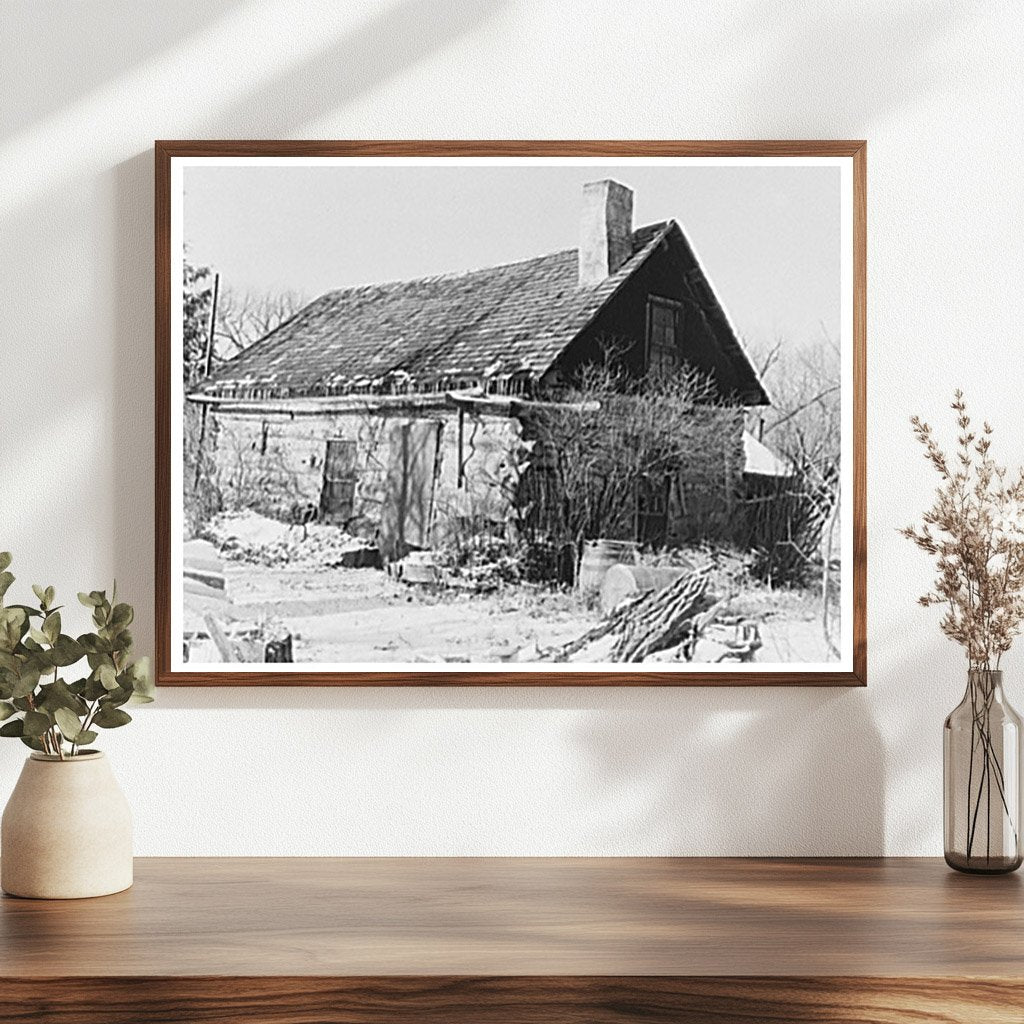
38	636
89	600
6	579
29	611
98	660
142	676
40	593
13	625
5	560
107	676
36	723
16	727
95	645
6	710
51	626
87	641
59	695
86	736
109	717
66	651
144	690
22	703
122	616
94	689
31	741
69	724
115	698
27	681
49	594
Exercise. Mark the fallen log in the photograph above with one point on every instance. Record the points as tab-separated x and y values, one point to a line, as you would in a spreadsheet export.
650	622
663	619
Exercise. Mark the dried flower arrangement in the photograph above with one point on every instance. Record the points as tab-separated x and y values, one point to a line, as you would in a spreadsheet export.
975	531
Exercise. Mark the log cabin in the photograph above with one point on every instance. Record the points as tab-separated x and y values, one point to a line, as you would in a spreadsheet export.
395	410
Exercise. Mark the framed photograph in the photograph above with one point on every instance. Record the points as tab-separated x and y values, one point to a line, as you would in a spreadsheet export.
493	413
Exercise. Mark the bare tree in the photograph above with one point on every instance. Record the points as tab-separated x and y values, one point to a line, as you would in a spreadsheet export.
200	496
243	318
804	384
793	521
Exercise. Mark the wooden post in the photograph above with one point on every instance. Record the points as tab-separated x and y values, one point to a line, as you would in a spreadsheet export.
208	362
207	367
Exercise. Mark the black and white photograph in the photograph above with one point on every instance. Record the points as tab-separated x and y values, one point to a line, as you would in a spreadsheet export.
496	414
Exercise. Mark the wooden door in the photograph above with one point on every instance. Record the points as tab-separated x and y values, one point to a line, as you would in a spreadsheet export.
407	516
338	496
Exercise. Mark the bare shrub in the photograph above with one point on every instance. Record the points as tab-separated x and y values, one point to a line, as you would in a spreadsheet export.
611	440
263	484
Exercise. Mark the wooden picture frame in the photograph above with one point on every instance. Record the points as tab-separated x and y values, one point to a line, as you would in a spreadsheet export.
849	156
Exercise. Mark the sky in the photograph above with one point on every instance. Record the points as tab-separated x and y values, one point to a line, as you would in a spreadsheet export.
768	237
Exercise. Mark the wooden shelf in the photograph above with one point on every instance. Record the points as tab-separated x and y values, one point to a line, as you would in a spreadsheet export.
283	941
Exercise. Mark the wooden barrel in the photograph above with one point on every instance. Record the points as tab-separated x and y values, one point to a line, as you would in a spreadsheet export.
625	581
599	556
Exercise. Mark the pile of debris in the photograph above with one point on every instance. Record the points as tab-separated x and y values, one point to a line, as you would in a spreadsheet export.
248	537
484	565
485	573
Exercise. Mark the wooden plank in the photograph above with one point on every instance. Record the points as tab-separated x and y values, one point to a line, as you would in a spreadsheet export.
493	917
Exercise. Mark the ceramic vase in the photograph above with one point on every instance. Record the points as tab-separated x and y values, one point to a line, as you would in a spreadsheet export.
66	831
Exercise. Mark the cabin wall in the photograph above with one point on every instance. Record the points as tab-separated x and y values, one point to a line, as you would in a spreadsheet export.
274	464
667	273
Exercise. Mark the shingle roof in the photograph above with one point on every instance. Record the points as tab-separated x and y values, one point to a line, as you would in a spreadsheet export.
439	331
497	321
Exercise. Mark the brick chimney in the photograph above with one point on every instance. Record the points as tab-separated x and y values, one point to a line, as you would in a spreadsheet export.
606	230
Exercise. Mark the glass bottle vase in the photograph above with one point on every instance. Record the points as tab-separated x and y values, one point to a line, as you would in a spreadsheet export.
981	770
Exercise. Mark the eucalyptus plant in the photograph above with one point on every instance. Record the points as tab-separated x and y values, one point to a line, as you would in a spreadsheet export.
37	704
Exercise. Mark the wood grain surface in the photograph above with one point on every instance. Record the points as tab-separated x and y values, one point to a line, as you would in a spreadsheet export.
506	916
537	1000
166	150
304	941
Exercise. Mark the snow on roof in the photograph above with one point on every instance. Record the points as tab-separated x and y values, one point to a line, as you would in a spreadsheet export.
759	459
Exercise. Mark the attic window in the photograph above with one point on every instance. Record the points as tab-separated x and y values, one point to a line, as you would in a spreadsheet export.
664	331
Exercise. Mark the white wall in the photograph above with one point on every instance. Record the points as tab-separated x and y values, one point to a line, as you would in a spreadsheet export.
937	89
